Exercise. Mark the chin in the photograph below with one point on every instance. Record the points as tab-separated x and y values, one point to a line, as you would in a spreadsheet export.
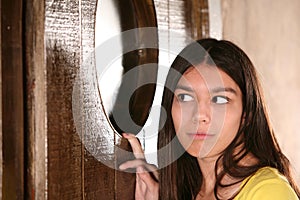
193	152
200	153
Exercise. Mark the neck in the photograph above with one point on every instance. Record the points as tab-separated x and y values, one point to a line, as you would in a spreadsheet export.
207	166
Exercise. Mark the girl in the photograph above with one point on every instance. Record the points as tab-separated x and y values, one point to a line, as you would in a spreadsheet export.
217	141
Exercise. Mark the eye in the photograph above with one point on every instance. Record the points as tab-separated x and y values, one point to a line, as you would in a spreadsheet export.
185	97
220	100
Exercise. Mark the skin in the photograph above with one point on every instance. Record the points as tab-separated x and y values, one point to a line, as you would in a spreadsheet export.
206	112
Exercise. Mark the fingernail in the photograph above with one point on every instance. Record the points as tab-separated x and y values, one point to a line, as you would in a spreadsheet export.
121	167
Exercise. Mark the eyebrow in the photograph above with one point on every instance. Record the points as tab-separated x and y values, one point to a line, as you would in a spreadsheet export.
214	90
224	89
183	87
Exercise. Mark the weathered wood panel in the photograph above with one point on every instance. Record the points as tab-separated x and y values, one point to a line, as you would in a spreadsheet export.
1	157
12	99
197	20
188	19
98	179
142	14
73	173
36	106
70	168
63	50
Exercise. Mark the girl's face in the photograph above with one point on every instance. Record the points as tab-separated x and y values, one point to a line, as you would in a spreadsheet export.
206	110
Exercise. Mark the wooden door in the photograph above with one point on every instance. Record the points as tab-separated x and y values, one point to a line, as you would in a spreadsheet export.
12	104
43	44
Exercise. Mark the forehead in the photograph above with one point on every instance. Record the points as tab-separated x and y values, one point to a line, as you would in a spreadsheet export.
211	76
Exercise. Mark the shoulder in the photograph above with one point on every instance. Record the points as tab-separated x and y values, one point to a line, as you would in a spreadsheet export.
266	183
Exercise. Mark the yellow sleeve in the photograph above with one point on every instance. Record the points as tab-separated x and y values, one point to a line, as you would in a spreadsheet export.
272	190
267	184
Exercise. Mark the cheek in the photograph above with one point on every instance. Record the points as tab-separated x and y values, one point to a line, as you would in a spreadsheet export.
182	117
231	125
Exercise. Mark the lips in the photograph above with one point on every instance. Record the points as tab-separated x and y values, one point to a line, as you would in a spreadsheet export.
200	135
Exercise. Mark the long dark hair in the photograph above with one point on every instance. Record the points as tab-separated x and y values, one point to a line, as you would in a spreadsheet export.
182	178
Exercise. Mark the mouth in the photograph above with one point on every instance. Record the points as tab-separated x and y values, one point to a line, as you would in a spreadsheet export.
200	135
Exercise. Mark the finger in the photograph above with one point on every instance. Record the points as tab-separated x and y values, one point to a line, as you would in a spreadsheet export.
140	163
135	145
146	178
152	170
132	164
141	188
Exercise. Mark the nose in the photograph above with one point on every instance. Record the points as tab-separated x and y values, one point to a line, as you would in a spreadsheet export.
202	113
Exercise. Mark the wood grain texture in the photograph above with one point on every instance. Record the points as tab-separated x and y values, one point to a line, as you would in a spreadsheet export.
12	99
1	153
143	97
98	164
79	146
197	20
142	15
133	15
36	105
76	146
171	20
63	41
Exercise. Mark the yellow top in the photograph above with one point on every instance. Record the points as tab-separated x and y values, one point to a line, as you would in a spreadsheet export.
266	184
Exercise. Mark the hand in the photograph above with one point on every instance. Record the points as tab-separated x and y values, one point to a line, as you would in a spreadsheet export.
146	174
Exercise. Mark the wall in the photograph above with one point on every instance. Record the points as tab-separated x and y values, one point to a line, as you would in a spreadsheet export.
268	31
